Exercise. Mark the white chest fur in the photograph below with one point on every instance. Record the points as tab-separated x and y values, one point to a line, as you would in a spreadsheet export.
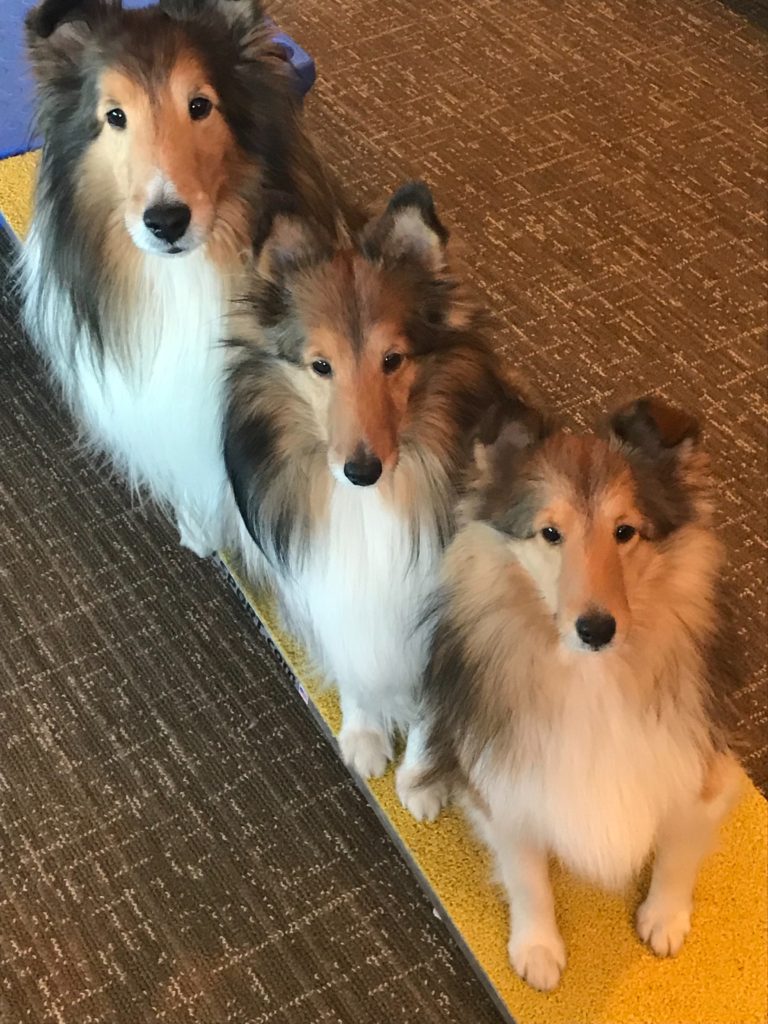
357	599
155	406
596	781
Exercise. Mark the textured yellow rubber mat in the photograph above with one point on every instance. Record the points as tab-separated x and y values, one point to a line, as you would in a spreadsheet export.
721	975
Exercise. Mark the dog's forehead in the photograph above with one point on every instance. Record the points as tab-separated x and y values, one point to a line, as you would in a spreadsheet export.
584	470
150	49
354	299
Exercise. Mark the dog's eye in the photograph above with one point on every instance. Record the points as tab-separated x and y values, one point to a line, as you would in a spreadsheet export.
199	108
551	535
322	367
392	361
116	117
624	533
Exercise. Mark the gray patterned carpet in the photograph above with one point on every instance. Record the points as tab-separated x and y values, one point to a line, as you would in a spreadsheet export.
177	842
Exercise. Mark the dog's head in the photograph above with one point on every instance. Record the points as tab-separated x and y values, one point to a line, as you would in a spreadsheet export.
378	333
153	118
589	515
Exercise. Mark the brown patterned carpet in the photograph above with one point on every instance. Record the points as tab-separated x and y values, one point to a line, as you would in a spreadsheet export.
177	842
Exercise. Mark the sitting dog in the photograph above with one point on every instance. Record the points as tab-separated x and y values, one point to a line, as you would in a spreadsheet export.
351	405
567	695
164	128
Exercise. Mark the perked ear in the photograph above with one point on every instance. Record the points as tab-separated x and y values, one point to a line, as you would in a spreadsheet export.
654	428
57	31
291	244
509	428
409	230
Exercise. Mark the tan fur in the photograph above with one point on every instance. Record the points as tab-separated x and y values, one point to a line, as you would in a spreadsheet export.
361	403
201	158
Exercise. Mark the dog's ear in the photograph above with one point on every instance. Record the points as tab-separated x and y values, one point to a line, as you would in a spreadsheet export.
653	428
510	428
57	32
292	243
409	230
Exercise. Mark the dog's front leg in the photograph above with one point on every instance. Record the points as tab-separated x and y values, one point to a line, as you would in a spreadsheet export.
364	740
536	948
664	918
423	801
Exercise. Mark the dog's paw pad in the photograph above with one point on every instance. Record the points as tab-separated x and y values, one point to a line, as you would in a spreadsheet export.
663	928
423	802
367	751
540	963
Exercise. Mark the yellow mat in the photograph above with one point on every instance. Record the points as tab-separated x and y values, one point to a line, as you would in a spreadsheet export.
720	977
17	176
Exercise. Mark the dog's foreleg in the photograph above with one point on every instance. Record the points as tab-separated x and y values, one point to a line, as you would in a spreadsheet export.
684	840
423	801
536	948
364	740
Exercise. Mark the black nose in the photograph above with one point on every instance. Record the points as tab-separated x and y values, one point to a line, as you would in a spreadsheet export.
596	629
168	221
363	469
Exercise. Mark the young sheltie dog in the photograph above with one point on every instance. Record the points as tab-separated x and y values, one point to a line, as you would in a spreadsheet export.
163	130
350	418
567	695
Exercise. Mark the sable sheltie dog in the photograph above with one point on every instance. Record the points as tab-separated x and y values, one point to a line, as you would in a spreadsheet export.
349	422
566	697
163	129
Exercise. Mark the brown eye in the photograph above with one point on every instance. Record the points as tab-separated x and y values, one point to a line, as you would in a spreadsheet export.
624	533
392	362
199	108
322	367
116	117
551	535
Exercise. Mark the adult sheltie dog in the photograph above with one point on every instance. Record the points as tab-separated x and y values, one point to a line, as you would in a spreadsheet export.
163	129
350	414
566	698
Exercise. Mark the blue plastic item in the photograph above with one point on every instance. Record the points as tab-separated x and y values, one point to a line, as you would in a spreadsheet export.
16	78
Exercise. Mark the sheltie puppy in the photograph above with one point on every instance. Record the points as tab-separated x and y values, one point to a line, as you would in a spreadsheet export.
349	424
566	700
163	129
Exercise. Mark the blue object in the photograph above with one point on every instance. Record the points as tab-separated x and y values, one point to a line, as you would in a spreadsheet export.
16	87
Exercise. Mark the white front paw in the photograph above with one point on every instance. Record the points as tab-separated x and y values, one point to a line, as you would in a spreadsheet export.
424	802
539	960
366	750
663	926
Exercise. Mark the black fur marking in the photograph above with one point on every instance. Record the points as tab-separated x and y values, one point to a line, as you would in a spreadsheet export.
450	700
252	462
657	437
663	497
